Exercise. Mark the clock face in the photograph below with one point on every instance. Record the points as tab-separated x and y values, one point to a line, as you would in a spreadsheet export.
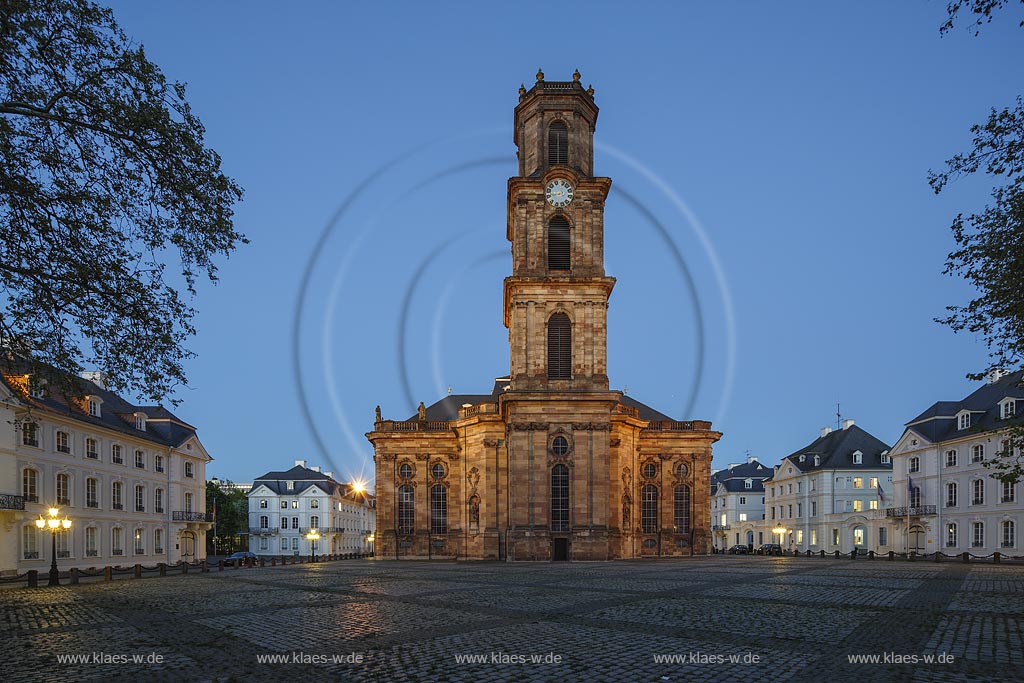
558	193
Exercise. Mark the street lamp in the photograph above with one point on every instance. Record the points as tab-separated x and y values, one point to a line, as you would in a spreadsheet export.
54	525
313	536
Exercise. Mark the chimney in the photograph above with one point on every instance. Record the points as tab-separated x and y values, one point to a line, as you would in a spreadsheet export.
825	431
751	459
733	464
315	468
329	475
96	377
994	375
300	463
847	424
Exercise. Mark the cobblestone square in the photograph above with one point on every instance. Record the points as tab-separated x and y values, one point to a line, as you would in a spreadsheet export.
719	618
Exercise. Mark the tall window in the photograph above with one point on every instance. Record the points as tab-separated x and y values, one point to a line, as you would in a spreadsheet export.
978	453
30	486
915	464
978	492
560	498
681	509
1008	492
314	522
63	442
188	503
91	547
158	500
115	454
94	407
284	522
29	542
406	509
558	143
559	241
951	458
63	489
978	532
559	347
158	541
158	463
883	534
649	509
140	498
1009	534
116	493
189	470
951	494
438	509
92	496
140	543
952	535
91	449
140	459
117	541
63	543
30	434
915	497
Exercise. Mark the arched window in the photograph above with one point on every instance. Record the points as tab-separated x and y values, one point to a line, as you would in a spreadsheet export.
406	509
649	508
559	347
558	143
681	518
978	492
158	500
559	250
438	509
1009	534
915	464
560	498
314	522
860	537
915	497
188	502
951	494
30	485
63	489
951	535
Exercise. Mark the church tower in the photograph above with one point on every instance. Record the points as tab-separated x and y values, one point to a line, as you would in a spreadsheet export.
556	300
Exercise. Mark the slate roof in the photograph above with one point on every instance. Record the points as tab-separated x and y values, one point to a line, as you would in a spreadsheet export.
836	449
734	478
447	408
302	477
938	422
162	426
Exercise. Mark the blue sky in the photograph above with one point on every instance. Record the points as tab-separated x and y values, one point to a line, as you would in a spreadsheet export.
776	244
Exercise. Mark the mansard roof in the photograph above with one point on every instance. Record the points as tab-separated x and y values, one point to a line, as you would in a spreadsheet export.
939	421
301	477
734	478
835	450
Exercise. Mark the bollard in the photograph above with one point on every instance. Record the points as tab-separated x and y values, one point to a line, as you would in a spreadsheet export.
938	556
912	556
837	554
138	571
823	553
273	561
966	556
184	567
220	565
163	568
206	566
108	573
996	557
33	578
871	554
74	576
853	554
892	554
263	562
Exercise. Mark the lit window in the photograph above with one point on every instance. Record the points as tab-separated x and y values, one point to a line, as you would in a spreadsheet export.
872	504
858	506
858	482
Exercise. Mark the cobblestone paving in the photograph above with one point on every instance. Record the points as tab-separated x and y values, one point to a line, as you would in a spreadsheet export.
696	619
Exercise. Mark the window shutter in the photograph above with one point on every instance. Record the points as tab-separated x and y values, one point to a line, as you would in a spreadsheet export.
558	143
559	347
558	244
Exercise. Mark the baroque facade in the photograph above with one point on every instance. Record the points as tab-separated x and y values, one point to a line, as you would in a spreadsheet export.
946	498
284	506
737	504
132	479
552	464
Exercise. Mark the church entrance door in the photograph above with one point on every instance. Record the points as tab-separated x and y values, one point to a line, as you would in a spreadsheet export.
560	550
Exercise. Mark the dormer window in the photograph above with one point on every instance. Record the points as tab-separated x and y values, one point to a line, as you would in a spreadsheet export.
964	420
885	457
748	483
802	458
817	460
290	485
858	458
1009	408
140	421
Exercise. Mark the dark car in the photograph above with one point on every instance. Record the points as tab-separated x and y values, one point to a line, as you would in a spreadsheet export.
739	549
769	549
242	556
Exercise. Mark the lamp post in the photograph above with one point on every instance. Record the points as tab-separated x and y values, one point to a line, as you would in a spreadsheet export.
54	524
313	536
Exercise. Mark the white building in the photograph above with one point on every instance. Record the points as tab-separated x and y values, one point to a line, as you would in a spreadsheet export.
831	495
737	504
132	479
284	506
955	505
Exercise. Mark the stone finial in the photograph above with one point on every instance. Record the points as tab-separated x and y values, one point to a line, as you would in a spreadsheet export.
576	76
522	91
540	75
377	411
590	90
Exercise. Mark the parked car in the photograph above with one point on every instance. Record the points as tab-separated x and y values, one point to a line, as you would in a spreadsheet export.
739	549
769	549
242	556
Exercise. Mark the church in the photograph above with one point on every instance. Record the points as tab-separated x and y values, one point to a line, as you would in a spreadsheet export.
552	464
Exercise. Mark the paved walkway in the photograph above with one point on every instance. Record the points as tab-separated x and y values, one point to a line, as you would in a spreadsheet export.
703	619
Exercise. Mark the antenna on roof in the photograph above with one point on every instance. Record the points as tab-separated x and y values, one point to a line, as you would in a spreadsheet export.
839	418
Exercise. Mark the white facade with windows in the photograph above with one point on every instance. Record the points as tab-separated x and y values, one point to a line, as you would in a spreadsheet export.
133	487
284	506
737	505
832	495
948	499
